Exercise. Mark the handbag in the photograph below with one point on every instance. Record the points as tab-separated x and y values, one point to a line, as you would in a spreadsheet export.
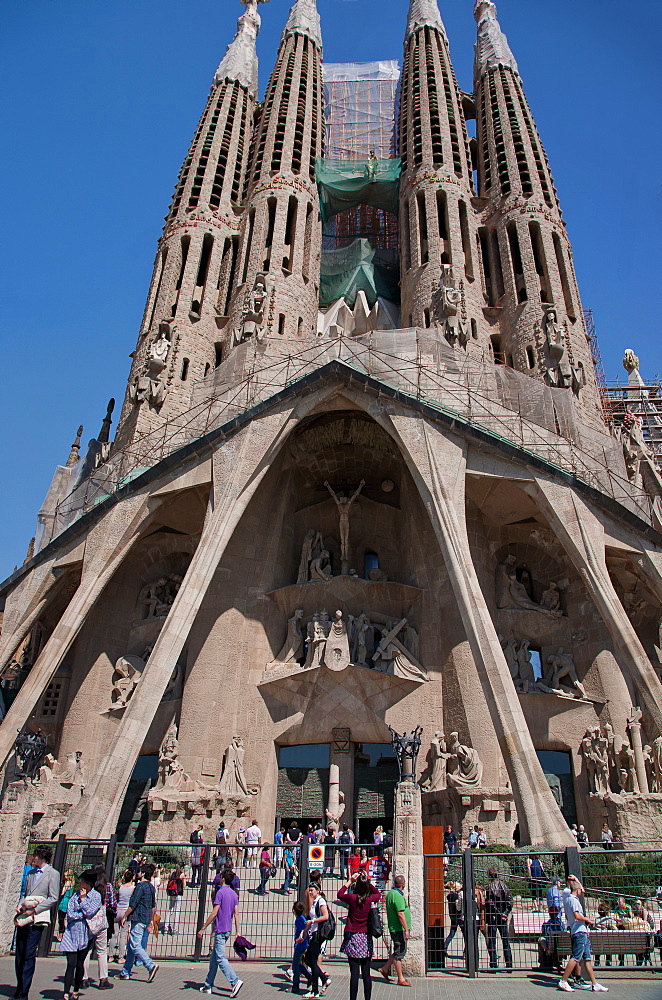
273	872
375	927
97	923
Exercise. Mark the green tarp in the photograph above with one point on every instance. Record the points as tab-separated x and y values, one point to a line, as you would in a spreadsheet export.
344	184
358	267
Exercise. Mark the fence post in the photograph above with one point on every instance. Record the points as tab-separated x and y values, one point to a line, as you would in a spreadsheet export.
302	882
59	862
111	856
202	902
469	907
573	862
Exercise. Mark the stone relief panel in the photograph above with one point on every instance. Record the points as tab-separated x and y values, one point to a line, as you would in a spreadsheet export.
618	766
451	764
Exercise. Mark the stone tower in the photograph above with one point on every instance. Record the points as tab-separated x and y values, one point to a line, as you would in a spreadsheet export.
281	232
440	273
532	302
180	337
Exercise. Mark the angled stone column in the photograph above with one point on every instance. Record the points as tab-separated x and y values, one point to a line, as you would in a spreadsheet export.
581	534
119	530
437	463
240	465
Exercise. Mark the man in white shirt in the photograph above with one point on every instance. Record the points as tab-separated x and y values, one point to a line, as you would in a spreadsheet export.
42	891
579	924
253	839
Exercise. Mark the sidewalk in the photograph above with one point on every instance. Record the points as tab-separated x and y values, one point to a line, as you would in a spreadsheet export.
266	982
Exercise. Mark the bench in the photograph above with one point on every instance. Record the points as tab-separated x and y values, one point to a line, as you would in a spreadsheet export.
610	943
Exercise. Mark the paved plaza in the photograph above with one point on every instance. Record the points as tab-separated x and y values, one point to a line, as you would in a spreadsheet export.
264	981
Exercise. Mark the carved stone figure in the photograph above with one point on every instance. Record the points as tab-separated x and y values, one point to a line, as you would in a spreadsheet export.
587	752
363	641
562	668
126	675
293	646
553	335
159	350
527	677
320	567
70	774
630	361
311	549
657	763
465	768
512	593
171	774
344	504
438	758
158	597
551	598
392	657
316	635
377	574
252	319
336	803
233	780
628	771
173	691
336	650
147	390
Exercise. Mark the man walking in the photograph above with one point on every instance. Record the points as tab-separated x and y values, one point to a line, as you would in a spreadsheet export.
253	838
498	905
398	917
581	943
42	883
140	914
225	909
196	856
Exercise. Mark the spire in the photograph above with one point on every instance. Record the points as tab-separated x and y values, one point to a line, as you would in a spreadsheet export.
240	61
422	12
492	49
304	19
104	433
74	454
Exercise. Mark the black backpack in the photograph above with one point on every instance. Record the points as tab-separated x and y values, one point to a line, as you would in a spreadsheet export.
327	929
345	838
387	841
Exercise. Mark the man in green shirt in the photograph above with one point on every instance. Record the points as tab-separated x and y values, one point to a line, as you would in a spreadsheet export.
398	918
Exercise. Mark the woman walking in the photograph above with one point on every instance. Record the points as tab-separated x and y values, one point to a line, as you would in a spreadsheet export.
265	870
175	891
124	890
83	906
99	941
319	912
359	895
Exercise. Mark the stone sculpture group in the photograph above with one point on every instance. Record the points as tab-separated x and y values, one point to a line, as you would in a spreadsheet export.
560	675
452	764
612	764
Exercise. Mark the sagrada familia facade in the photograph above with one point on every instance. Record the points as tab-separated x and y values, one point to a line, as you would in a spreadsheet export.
356	483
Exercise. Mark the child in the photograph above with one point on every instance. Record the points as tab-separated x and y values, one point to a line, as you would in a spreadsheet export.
300	946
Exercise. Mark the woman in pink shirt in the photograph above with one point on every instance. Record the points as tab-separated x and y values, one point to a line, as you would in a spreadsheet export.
358	895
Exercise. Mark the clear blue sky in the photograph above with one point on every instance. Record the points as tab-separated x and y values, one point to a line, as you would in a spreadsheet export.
100	99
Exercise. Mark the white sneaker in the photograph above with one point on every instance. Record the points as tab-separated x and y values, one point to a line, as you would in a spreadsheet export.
599	988
310	996
565	986
205	989
238	983
288	973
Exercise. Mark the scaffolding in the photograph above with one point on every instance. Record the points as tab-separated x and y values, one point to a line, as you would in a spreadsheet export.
360	112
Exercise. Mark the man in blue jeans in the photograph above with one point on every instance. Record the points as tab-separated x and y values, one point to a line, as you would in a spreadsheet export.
140	914
225	908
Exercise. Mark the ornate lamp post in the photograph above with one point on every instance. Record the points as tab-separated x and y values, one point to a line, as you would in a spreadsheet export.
407	748
30	749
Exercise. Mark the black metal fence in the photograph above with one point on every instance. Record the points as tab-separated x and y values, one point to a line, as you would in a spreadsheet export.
265	904
623	897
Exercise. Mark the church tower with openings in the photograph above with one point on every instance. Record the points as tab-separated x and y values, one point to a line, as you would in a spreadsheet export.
276	289
180	338
532	301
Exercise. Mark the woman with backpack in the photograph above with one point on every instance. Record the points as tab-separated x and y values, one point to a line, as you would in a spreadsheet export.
318	915
536	879
359	896
99	941
174	891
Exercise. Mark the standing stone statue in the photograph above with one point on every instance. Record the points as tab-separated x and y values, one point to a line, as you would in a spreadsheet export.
551	598
252	319
467	766
657	763
171	772
336	805
233	780
437	761
587	751
527	677
344	504
336	650
126	674
562	667
311	549
363	645
293	646
320	568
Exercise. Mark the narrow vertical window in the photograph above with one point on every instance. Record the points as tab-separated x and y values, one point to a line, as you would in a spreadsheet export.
422	227
442	214
406	249
426	314
290	232
163	256
497	270
184	372
300	326
233	270
218	352
186	240
563	274
497	349
474	329
516	258
540	261
530	357
487	265
249	243
201	278
281	324
307	242
466	240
